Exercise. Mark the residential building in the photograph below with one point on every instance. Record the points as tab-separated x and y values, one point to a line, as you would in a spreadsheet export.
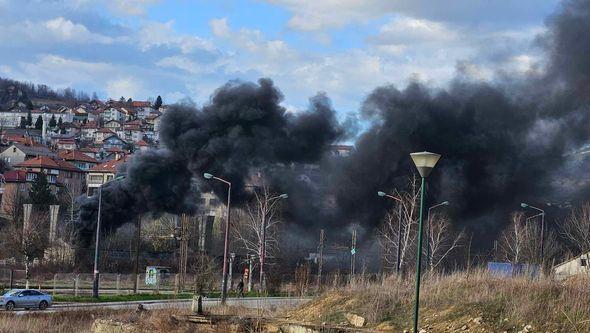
66	144
14	191
113	141
59	172
79	159
101	174
18	153
102	134
576	266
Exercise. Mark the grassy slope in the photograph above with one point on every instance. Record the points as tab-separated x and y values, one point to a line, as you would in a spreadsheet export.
452	302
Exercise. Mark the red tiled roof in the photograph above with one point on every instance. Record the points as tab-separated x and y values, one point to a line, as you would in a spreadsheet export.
142	143
90	124
139	104
15	176
106	130
48	163
109	166
75	155
66	141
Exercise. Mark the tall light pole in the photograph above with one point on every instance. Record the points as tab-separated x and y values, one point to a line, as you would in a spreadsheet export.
428	249
96	277
542	213
424	162
270	202
226	238
399	228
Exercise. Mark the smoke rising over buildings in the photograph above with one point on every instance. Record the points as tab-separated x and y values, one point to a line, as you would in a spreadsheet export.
502	143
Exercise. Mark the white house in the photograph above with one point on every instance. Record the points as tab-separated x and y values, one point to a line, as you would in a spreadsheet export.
575	266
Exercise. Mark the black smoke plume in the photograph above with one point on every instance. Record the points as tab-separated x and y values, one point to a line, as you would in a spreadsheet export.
502	142
243	130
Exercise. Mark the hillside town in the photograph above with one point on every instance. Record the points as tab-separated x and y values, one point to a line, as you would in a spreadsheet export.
79	145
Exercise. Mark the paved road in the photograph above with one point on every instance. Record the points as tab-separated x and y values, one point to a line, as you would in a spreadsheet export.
251	302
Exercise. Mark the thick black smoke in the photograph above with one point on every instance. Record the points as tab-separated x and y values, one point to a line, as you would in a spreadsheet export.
243	129
501	143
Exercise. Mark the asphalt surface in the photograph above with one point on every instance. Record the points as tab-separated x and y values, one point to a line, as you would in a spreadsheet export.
250	302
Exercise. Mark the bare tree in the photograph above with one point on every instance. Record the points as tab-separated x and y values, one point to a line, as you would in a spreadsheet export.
576	229
399	229
27	241
262	215
518	241
442	240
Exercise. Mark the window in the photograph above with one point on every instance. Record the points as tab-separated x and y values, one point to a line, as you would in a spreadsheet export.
51	178
213	202
31	177
583	262
14	149
96	178
109	177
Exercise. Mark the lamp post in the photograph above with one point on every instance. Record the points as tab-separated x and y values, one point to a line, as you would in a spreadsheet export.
262	250
96	277
226	238
428	249
424	162
399	228
542	213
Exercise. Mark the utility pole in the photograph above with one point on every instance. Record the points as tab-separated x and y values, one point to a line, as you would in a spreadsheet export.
137	247
320	263
250	272
183	249
353	253
232	256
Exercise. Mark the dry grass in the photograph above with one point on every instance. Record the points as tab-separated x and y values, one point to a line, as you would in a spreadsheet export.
81	321
449	302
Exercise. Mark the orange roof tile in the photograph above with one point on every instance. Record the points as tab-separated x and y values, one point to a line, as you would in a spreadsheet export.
48	163
75	155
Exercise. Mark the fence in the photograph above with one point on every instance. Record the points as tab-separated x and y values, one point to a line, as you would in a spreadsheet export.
81	283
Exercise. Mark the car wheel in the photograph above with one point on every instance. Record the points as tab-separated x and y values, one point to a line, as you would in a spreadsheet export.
10	306
43	305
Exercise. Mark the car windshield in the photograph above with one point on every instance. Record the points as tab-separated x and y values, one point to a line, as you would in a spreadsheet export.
12	293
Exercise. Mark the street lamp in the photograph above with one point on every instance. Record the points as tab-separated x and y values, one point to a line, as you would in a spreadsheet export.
96	277
428	249
542	213
262	250
226	238
399	227
424	162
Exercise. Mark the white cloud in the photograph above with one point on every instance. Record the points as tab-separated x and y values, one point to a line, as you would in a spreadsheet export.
55	30
155	34
128	87
407	30
66	30
220	28
131	7
186	64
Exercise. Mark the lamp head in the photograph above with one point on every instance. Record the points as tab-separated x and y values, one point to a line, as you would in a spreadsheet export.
207	175
445	203
523	205
425	162
284	196
381	193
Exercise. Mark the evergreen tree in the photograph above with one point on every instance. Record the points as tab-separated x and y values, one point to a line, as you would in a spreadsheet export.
63	131
129	101
39	123
59	122
40	192
52	122
29	118
23	122
158	103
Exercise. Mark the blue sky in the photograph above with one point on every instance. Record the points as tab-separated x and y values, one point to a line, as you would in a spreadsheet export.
187	48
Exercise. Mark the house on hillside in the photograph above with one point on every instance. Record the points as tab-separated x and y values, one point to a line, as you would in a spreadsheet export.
66	144
18	153
102	134
113	141
79	159
59	172
100	174
14	190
